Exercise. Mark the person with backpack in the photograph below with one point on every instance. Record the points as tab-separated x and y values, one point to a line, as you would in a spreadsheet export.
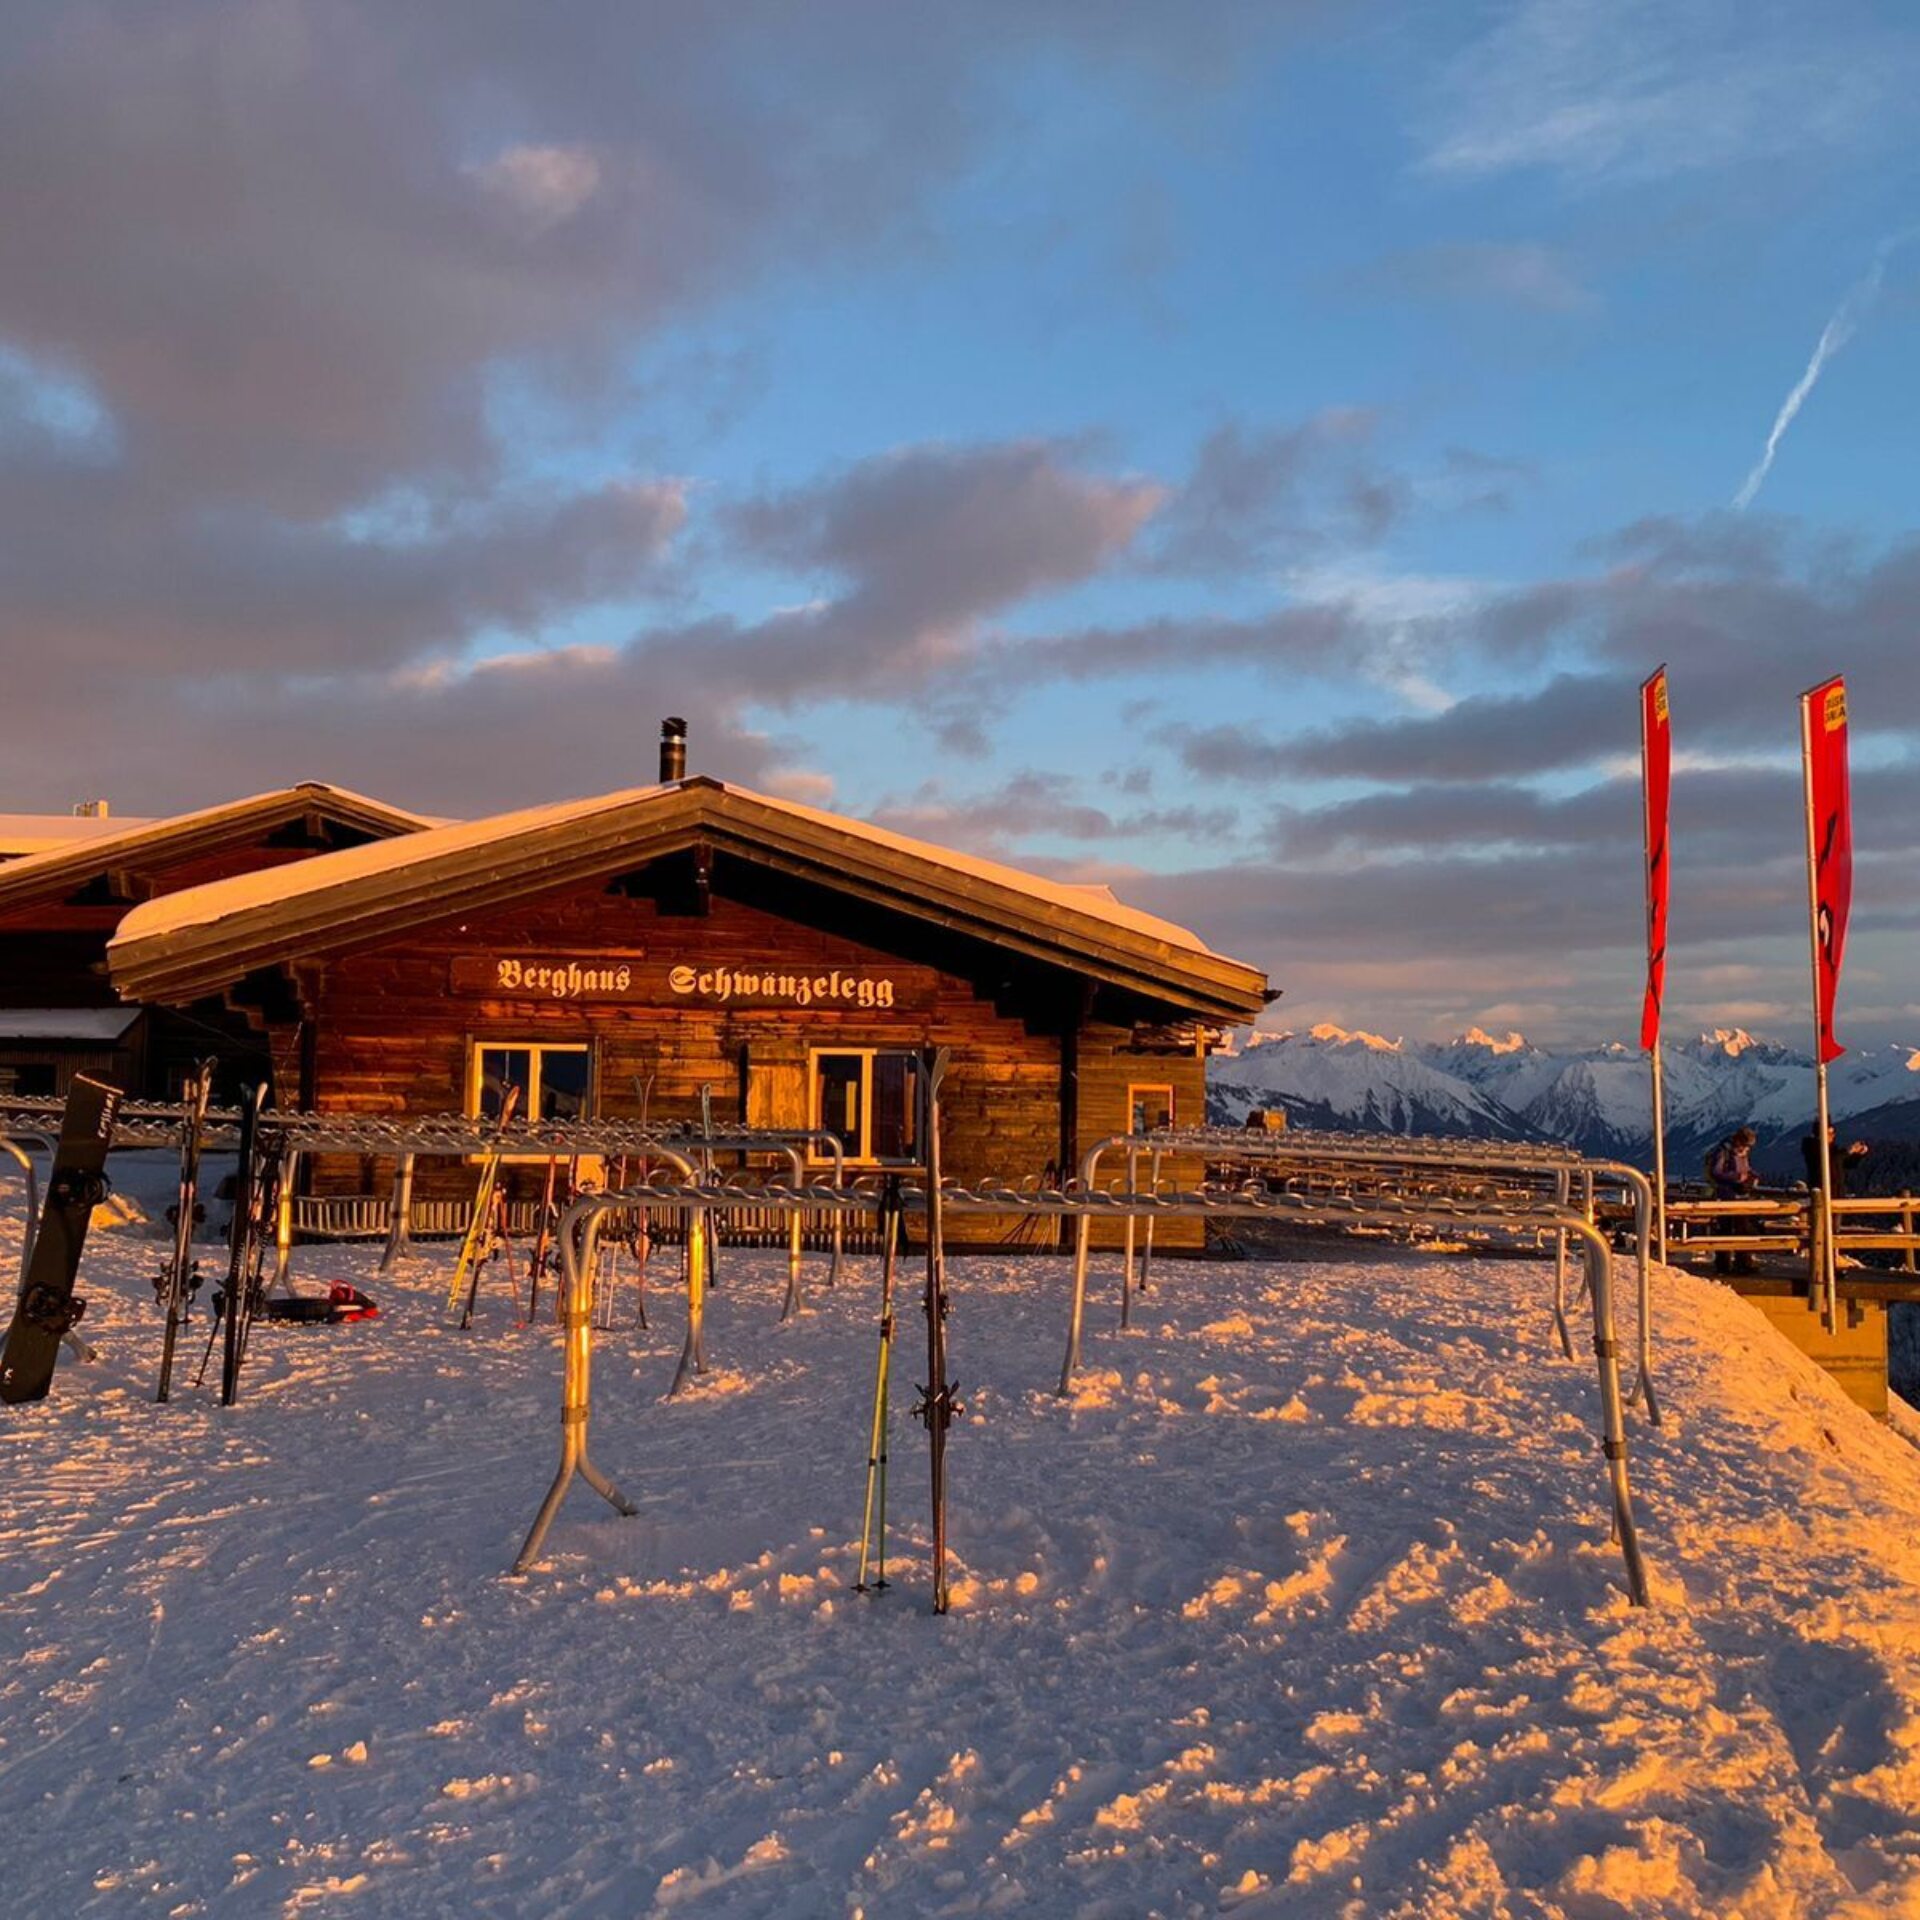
1730	1174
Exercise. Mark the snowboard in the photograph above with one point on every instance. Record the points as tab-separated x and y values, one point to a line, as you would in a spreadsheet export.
47	1307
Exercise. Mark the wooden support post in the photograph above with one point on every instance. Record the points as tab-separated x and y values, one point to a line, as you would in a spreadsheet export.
1071	1023
400	1218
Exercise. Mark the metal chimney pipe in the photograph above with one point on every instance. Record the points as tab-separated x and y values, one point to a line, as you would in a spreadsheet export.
673	749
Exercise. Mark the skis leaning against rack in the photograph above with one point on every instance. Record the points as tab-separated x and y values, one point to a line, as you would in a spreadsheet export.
255	1194
873	1521
179	1280
479	1243
47	1308
939	1405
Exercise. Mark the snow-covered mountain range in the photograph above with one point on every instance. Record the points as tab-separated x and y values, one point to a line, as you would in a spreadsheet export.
1480	1086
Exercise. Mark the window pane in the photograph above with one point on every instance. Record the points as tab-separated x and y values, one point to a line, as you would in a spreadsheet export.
896	1106
500	1068
1152	1108
563	1084
837	1079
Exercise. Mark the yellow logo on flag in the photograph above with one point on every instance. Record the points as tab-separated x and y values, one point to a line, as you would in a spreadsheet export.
1833	714
1660	698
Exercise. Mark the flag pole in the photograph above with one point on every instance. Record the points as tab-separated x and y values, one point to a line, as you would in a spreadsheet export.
1823	1270
1659	1160
1650	880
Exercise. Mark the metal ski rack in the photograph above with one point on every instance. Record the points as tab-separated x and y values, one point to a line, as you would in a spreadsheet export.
1530	1218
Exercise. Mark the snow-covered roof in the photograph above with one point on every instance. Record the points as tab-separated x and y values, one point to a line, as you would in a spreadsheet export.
66	865
212	934
98	1025
29	833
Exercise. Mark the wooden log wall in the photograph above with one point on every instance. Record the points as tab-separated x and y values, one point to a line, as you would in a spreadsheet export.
392	1038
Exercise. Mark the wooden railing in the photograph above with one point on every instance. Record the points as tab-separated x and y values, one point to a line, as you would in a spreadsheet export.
1782	1223
367	1216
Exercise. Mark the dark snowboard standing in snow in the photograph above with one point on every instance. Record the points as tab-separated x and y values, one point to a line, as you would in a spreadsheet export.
47	1308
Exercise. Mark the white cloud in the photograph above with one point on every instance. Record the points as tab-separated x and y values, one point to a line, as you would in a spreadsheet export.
1409	612
1643	89
1397	598
542	185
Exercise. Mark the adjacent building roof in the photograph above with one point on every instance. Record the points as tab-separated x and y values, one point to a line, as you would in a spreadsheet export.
96	1026
205	938
25	833
134	844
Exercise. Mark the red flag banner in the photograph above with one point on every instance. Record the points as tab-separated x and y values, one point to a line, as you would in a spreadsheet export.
1656	779
1823	728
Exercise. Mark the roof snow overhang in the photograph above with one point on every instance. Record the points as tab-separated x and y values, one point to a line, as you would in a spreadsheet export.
205	939
61	871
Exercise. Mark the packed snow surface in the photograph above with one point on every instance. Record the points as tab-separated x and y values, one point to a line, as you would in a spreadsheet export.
1303	1603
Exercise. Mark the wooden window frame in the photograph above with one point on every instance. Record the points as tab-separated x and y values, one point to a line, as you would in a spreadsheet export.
1167	1087
477	1044
816	1121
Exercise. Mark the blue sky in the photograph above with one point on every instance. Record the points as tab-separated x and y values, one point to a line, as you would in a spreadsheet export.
1247	453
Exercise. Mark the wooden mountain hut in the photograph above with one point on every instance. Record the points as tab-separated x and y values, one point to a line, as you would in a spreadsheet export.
640	951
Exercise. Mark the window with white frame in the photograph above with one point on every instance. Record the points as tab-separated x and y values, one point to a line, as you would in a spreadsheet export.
870	1098
1149	1108
555	1081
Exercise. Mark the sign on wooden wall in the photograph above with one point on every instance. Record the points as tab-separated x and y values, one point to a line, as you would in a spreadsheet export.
834	990
573	978
623	979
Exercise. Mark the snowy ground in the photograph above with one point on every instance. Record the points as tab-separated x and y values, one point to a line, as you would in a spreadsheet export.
1304	1605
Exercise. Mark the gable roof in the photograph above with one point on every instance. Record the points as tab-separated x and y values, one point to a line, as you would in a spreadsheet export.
205	938
61	870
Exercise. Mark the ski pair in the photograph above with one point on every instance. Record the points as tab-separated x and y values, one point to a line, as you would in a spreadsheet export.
256	1196
477	1246
873	1521
181	1278
939	1405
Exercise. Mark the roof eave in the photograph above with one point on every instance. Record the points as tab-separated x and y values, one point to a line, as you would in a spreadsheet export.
194	960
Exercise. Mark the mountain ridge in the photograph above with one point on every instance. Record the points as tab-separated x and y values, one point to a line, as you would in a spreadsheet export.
1597	1099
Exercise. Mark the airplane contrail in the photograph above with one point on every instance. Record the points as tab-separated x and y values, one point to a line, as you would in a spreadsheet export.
1833	336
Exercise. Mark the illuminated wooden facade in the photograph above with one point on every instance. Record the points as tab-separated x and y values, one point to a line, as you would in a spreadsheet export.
645	951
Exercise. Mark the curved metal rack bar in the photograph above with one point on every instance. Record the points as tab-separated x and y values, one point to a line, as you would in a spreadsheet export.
1380	1150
